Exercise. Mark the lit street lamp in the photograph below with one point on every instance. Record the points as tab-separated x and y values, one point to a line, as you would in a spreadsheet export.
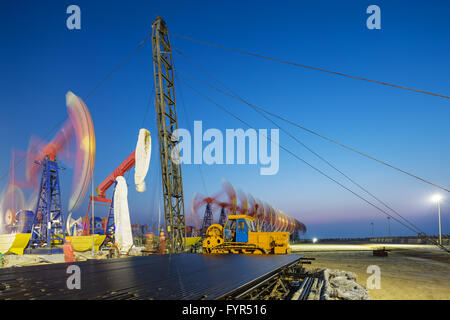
437	198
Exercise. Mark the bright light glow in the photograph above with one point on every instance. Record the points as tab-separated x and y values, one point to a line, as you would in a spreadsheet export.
314	240
436	198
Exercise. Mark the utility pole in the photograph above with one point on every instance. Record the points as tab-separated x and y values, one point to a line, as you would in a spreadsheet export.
166	114
371	224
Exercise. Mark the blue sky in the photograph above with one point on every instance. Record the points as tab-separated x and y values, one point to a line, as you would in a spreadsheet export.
41	60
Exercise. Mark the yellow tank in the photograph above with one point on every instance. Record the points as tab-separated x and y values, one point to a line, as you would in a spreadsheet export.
84	243
190	241
14	243
239	235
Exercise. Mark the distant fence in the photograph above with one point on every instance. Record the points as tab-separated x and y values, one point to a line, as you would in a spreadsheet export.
394	240
409	240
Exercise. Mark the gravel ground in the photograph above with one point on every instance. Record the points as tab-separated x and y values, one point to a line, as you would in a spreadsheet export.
407	273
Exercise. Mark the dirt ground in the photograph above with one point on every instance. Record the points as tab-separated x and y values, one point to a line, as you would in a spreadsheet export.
407	273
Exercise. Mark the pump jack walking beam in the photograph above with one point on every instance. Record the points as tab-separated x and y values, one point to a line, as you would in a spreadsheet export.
101	198
167	123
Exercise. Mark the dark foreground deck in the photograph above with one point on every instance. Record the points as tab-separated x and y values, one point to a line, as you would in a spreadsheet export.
159	277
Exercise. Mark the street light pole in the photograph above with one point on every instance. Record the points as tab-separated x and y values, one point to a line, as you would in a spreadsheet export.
438	198
439	215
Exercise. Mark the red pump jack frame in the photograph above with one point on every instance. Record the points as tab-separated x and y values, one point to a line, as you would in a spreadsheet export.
100	199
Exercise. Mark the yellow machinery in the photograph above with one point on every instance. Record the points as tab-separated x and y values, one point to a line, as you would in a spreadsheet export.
239	235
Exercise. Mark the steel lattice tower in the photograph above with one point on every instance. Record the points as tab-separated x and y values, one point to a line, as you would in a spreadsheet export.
223	217
48	223
166	114
207	220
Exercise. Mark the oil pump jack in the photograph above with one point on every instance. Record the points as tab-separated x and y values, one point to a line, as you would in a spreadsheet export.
108	223
210	203
166	115
141	162
48	229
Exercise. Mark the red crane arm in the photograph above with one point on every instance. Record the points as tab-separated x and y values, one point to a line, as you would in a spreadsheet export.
126	165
